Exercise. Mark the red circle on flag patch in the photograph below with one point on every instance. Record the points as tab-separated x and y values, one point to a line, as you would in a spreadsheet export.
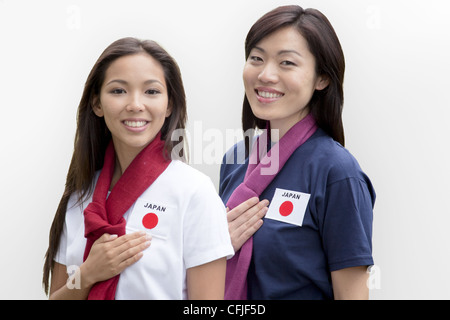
286	208
150	220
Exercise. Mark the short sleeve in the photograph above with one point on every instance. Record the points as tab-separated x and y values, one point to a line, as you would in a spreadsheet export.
347	224
70	234
206	236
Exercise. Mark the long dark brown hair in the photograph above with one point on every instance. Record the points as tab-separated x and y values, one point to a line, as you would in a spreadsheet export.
325	105
92	135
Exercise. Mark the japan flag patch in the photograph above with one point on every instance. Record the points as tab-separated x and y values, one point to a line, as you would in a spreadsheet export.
288	206
151	216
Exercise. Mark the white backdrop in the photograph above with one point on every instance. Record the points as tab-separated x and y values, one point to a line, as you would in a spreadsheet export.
396	114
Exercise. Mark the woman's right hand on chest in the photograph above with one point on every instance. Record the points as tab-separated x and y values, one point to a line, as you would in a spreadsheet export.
110	255
245	219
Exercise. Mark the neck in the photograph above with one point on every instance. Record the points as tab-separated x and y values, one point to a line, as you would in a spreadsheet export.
124	156
123	160
283	125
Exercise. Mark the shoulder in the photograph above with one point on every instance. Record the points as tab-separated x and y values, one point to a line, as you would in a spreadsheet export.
234	158
322	154
187	181
235	154
232	169
194	191
183	172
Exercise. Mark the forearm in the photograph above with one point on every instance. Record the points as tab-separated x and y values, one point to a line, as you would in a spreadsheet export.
76	287
64	293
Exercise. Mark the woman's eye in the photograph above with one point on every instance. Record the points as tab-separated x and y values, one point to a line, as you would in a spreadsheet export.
255	59
152	91
118	91
288	63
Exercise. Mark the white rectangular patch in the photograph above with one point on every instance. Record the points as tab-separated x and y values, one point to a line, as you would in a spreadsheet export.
288	206
153	217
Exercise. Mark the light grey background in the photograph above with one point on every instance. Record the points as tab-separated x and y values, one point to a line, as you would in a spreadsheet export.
396	114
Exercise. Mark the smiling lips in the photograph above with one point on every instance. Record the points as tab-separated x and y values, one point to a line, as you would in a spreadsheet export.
135	125
267	95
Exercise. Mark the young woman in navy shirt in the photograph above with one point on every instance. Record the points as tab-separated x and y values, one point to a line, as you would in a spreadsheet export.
318	248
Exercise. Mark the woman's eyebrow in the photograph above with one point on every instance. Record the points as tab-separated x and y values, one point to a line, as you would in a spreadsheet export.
117	80
289	51
280	52
260	49
150	81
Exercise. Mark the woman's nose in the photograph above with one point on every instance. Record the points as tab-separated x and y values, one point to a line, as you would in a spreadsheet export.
269	73
135	103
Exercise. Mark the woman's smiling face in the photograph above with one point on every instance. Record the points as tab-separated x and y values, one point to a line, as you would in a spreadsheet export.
134	100
280	78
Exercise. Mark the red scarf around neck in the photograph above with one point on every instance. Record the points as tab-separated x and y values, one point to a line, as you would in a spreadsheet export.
105	213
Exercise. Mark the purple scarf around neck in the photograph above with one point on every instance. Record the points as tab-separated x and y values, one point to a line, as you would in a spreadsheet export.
255	182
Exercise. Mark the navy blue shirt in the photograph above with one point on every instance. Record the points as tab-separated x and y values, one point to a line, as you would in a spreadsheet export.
294	261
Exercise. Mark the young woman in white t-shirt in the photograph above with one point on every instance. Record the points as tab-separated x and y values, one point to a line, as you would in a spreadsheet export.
176	239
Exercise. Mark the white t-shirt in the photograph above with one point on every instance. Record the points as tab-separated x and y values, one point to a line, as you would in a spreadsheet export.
187	221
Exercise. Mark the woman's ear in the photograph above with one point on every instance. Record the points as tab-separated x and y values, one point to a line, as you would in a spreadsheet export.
322	82
169	108
97	107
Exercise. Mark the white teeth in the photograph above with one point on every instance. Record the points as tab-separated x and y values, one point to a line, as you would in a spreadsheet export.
135	124
269	95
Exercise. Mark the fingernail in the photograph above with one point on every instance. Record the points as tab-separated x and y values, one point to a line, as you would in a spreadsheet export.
148	237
